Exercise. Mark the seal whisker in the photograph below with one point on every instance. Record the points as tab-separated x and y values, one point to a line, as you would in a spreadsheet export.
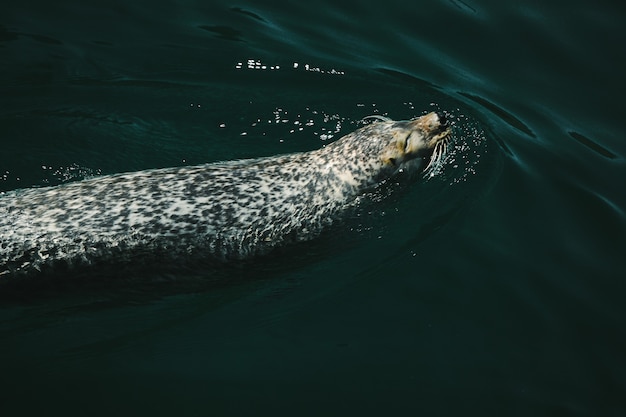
437	158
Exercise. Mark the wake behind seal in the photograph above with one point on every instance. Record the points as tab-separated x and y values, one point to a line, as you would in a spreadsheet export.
226	211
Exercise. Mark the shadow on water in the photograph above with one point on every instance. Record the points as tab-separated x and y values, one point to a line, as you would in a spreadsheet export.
149	277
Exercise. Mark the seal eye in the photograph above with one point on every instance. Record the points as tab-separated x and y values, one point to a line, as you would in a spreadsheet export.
406	143
392	161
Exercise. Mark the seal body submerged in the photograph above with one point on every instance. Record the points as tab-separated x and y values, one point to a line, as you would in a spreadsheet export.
227	211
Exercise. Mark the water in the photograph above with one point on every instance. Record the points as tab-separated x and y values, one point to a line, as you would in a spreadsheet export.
493	288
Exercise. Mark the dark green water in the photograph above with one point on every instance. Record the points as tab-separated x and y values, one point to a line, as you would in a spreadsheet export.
495	288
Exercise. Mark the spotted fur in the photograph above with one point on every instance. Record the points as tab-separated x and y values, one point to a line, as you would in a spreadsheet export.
227	211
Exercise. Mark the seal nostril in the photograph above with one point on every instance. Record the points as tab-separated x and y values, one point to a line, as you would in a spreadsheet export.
443	120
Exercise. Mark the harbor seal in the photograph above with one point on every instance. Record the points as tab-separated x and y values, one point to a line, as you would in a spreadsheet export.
227	211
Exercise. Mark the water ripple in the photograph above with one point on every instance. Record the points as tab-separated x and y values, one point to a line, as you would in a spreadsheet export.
505	116
594	146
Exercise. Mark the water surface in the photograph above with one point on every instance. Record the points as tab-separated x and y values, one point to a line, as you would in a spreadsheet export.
493	288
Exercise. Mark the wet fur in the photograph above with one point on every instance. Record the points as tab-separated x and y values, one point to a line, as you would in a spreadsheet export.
227	211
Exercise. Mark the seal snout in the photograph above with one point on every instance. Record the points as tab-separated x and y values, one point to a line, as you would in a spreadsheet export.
432	123
443	120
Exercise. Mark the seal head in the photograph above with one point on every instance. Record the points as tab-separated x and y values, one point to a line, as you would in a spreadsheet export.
380	150
417	138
